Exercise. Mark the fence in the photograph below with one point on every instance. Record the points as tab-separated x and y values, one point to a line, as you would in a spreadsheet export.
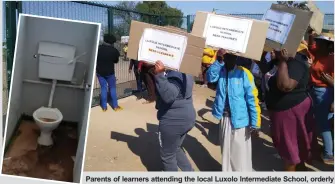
114	20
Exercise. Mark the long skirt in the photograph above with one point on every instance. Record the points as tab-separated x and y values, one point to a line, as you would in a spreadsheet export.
294	133
235	147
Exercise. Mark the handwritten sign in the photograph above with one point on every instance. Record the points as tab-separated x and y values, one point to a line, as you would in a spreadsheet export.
227	32
280	25
164	46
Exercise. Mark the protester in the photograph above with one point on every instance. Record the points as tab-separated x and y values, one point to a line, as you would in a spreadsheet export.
108	56
322	75
236	104
209	56
265	66
147	75
290	106
133	65
176	115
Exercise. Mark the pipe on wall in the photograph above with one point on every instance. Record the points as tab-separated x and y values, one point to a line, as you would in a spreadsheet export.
50	83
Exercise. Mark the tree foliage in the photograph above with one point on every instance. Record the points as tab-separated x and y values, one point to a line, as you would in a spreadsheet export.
167	15
300	4
122	19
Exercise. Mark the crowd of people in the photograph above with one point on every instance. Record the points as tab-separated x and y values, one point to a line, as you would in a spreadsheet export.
297	92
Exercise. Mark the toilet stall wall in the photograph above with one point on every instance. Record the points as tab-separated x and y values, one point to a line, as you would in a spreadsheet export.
15	110
87	105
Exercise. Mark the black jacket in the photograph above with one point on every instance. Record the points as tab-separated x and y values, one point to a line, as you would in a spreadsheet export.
108	55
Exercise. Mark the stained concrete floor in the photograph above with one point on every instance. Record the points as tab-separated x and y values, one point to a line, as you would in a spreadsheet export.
26	158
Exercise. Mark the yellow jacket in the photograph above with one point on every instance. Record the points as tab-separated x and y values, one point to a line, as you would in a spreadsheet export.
209	56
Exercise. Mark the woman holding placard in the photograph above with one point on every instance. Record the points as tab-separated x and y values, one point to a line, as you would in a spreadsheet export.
322	76
290	106
176	115
237	105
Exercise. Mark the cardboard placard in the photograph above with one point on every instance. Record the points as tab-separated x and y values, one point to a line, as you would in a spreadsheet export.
192	58
280	25
227	32
298	29
316	22
255	42
161	45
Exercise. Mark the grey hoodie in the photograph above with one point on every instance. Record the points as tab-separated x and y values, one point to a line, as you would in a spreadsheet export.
174	98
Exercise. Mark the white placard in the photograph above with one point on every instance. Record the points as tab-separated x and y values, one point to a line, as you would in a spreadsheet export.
227	32
164	46
280	25
124	39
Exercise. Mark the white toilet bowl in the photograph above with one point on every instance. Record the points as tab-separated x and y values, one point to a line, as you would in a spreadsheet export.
47	119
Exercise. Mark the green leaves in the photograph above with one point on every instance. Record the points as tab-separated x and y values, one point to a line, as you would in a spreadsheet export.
300	4
166	15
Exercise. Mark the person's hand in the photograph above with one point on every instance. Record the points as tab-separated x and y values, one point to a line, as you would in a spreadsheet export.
159	67
332	107
282	55
327	78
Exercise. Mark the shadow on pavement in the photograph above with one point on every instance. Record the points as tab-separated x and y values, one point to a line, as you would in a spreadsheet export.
209	103
146	146
213	131
202	112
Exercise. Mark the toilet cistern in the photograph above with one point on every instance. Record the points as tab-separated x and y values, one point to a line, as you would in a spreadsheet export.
54	63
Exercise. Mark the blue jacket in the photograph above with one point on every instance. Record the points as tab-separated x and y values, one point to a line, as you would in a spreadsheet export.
243	100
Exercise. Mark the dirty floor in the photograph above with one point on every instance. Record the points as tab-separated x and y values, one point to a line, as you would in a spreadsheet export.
25	157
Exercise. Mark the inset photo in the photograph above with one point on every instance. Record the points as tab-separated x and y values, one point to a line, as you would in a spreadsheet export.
50	97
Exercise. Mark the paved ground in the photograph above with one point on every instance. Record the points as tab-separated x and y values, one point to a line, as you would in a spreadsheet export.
127	140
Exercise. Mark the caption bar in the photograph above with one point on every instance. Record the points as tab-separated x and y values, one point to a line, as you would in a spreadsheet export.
211	179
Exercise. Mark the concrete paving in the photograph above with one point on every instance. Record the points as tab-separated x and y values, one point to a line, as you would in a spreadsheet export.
128	141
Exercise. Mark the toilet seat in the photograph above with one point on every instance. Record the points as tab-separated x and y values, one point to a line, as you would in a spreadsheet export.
47	119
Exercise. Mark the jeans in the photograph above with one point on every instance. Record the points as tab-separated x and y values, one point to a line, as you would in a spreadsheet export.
107	82
172	155
322	100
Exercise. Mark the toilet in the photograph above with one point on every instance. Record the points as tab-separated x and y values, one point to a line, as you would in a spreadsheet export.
47	119
56	62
